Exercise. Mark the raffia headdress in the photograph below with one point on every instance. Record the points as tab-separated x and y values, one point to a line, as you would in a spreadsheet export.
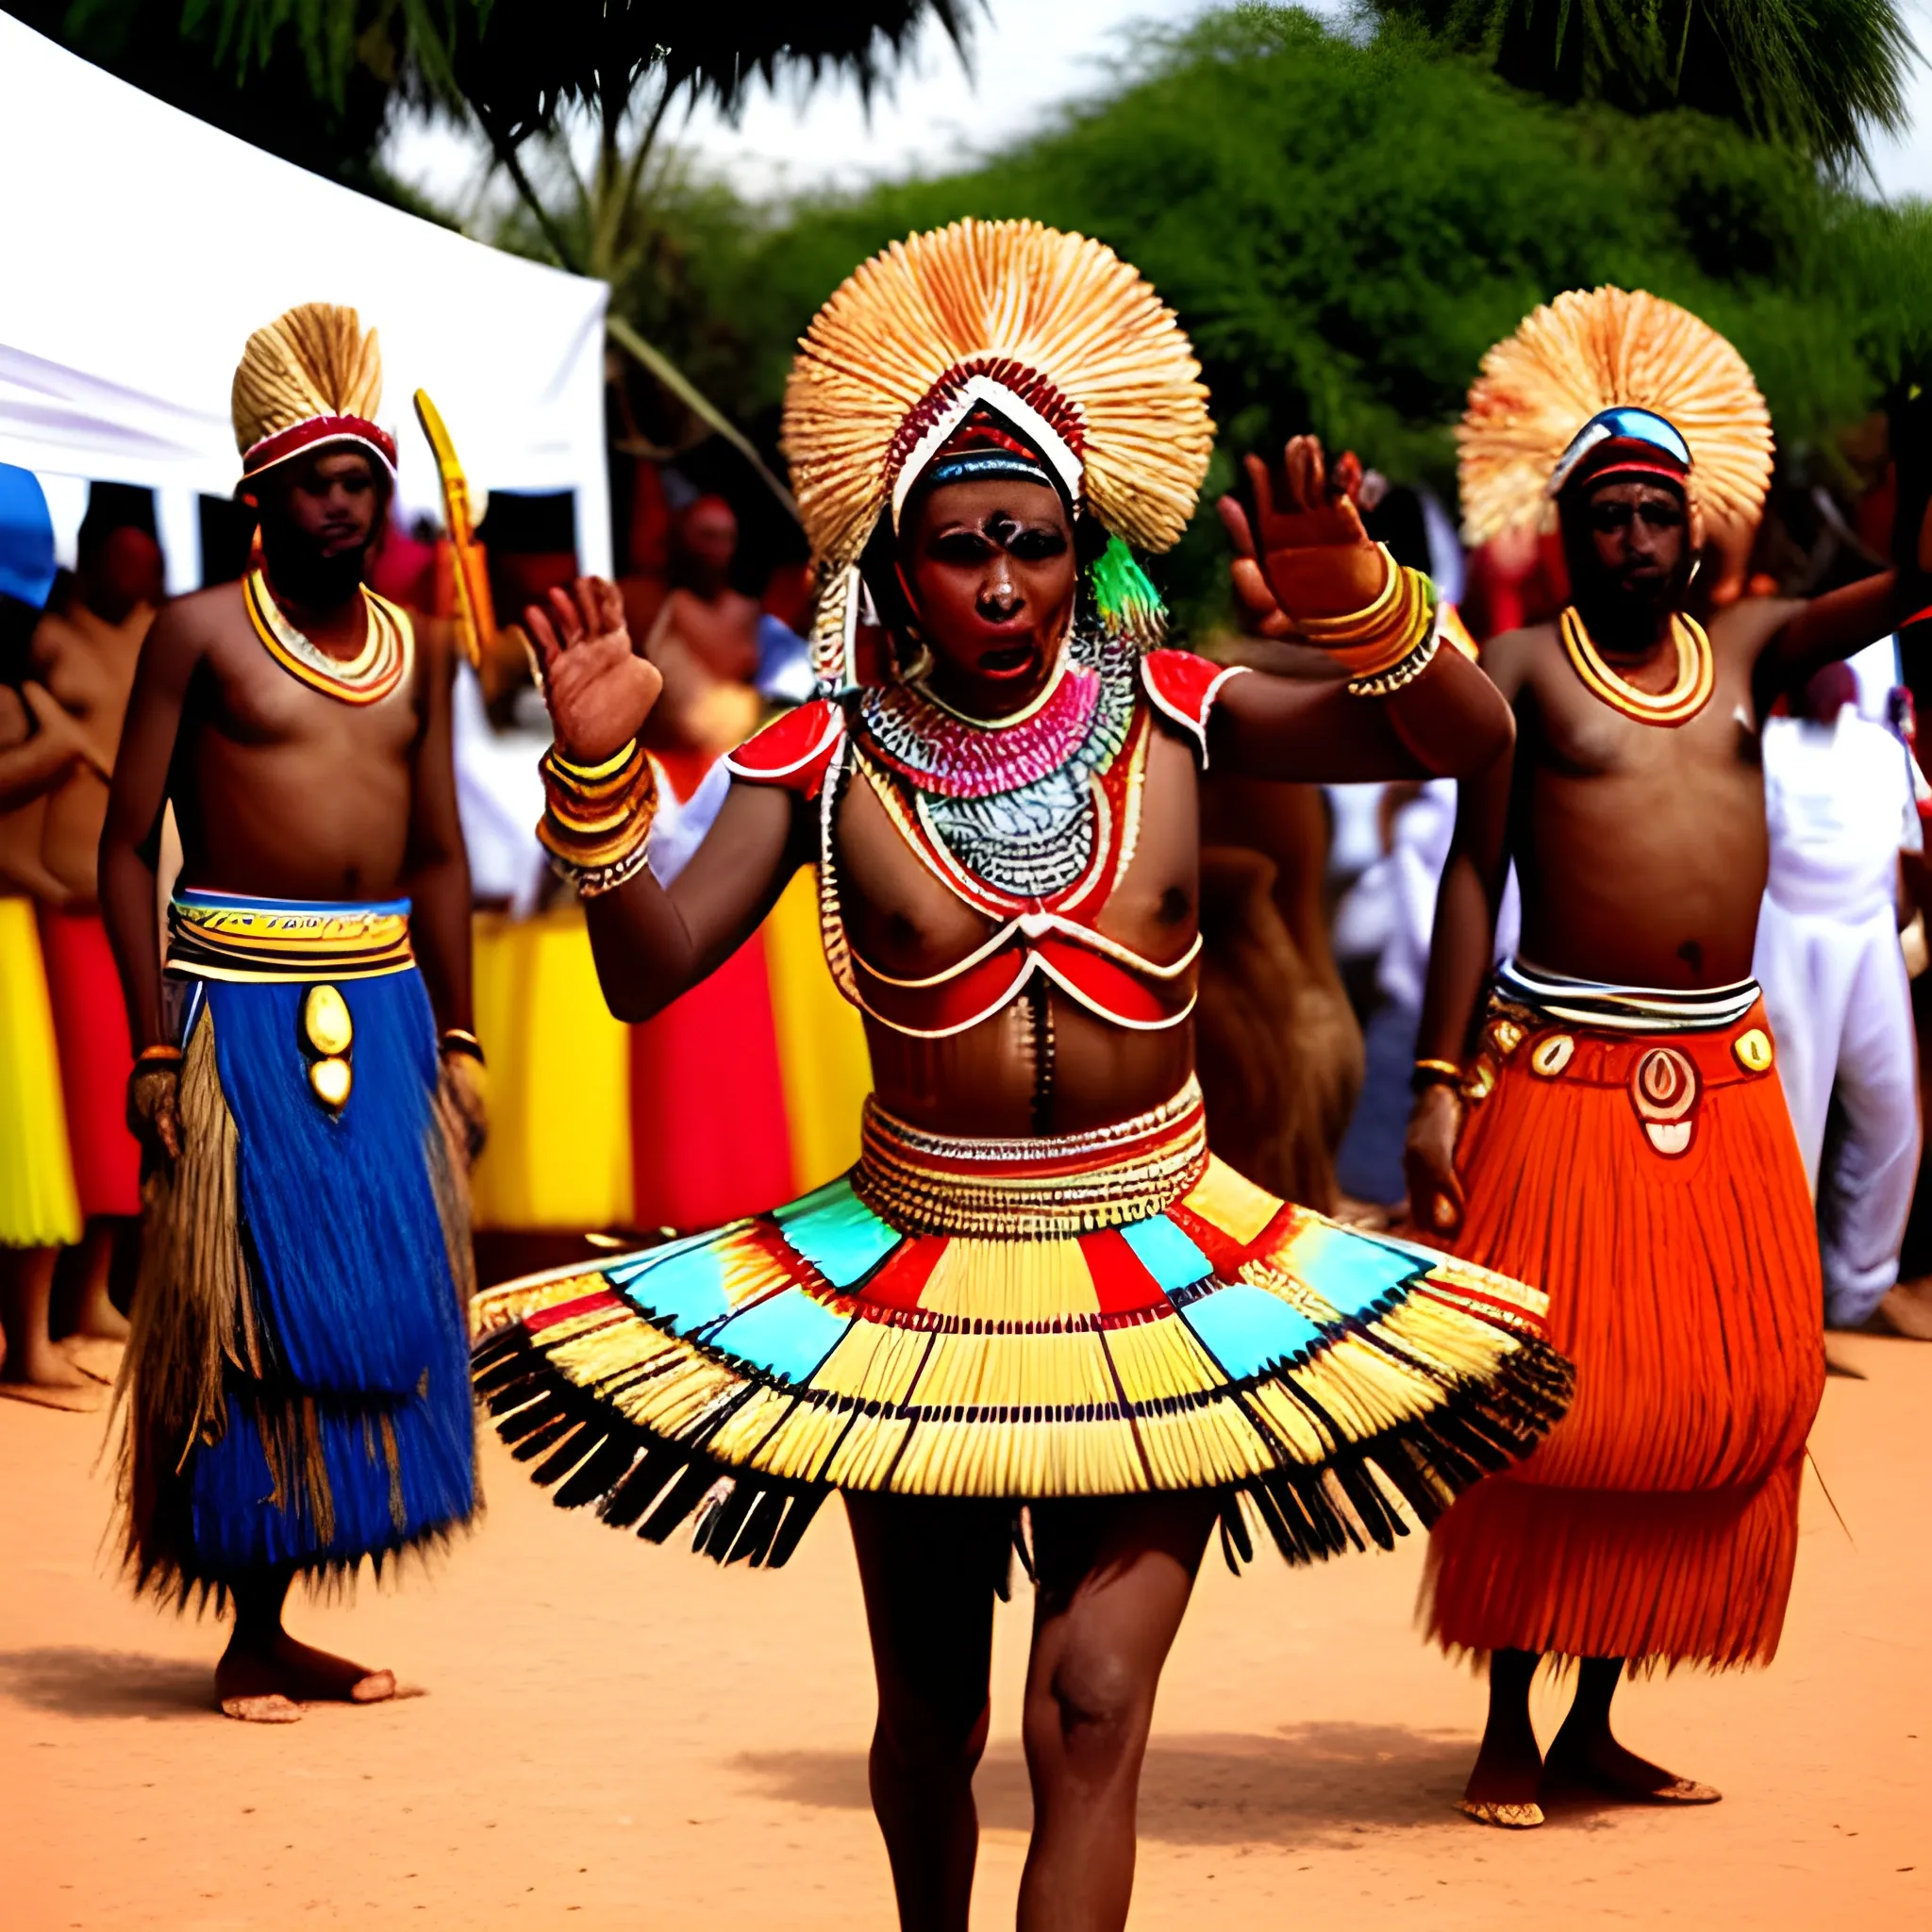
311	376
1053	331
1588	352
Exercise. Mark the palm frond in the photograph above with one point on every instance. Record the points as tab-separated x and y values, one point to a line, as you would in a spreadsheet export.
1818	76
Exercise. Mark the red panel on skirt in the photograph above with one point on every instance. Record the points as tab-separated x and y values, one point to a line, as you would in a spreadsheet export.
710	1137
96	1055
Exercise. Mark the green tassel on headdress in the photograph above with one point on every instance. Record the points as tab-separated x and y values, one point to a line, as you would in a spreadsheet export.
1129	606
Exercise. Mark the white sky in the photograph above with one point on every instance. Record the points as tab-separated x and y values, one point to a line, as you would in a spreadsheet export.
1028	56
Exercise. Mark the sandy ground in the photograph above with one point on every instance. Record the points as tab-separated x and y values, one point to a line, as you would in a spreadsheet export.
603	1734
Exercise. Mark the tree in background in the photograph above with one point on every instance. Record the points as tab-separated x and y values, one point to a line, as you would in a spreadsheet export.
1815	75
1346	222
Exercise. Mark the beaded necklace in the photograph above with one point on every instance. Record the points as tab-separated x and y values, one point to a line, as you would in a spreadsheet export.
1012	804
1689	689
372	673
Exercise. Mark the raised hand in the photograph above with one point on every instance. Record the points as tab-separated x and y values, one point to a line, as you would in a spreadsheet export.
599	690
1309	556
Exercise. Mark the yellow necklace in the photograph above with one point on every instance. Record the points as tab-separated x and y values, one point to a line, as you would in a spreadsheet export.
372	673
1689	693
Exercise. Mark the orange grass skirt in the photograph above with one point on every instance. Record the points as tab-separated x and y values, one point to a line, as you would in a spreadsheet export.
1658	1520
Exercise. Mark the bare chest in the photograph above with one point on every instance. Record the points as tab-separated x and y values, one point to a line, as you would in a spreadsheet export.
253	703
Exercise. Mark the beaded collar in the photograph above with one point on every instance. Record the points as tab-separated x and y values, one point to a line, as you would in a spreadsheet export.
1013	806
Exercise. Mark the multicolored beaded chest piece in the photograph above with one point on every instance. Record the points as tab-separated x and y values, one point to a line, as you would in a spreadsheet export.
1014	804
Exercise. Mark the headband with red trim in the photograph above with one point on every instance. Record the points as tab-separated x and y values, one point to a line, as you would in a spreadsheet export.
292	441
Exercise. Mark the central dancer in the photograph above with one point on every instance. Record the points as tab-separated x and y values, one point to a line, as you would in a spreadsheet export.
1036	1288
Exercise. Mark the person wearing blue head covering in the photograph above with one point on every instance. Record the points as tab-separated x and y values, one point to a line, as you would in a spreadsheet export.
39	746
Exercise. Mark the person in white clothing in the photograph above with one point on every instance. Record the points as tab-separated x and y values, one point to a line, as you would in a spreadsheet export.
1838	800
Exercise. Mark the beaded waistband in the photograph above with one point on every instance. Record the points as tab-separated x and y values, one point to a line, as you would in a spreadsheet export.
1592	1003
1031	1189
222	936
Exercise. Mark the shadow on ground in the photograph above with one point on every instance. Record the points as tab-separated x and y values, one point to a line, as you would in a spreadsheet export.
73	1681
1309	1783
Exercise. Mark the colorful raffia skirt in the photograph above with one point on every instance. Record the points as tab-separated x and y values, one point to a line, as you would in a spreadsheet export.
1633	1153
296	1388
96	1055
39	1208
1106	1315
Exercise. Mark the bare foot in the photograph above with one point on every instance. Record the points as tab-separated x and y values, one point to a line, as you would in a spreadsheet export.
101	1320
1597	1762
94	1356
267	1685
1508	1773
1906	1309
83	1398
41	1366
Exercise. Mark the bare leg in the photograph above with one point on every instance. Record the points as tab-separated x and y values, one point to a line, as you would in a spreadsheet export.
1114	1580
33	1363
1508	1771
265	1676
929	1568
1585	1754
95	1316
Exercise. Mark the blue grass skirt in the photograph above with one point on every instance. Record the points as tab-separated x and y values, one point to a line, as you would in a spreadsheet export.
327	1362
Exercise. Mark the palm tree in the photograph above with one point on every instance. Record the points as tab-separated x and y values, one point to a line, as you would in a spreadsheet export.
1818	76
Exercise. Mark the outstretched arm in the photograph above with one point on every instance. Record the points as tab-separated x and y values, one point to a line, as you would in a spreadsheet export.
1834	627
1312	562
651	944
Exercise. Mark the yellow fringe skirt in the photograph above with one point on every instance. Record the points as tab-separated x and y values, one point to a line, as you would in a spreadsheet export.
1102	1314
39	1206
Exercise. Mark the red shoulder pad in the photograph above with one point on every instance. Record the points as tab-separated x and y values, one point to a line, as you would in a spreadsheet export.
1184	687
793	751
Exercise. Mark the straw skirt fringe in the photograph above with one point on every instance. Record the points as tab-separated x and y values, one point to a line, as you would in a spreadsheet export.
1657	1522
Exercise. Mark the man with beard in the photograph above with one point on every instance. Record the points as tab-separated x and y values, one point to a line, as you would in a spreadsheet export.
1623	1141
297	1383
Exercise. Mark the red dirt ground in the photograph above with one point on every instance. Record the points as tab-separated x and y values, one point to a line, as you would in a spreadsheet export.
612	1736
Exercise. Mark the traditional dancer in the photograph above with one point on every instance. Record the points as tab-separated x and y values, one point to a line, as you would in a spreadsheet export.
1839	801
296	1391
1036	1287
1624	1142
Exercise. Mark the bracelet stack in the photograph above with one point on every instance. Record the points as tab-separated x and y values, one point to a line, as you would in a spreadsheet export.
1390	643
596	824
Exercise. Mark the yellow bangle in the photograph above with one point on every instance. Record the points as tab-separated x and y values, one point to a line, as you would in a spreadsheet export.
589	775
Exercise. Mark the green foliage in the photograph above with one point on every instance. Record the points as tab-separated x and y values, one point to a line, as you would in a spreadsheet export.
1815	75
1347	224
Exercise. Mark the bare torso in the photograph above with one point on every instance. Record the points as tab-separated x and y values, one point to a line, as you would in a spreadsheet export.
88	664
281	790
1641	850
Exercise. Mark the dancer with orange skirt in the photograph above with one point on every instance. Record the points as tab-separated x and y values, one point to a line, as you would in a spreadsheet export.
1624	1140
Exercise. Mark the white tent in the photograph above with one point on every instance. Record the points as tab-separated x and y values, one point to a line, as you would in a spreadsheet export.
138	247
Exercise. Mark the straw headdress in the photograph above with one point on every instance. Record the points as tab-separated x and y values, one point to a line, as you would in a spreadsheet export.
1586	352
1053	330
311	376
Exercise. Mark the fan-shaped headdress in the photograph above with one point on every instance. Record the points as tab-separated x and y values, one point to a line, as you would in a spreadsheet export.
311	376
1049	333
1588	353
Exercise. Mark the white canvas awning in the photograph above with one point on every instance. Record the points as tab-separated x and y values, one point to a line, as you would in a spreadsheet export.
138	247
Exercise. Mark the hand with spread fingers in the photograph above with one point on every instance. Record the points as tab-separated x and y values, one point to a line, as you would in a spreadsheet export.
1308	557
599	690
